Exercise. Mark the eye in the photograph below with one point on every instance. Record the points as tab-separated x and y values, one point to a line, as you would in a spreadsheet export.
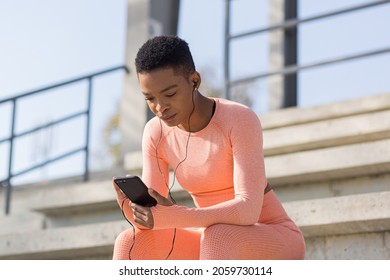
171	94
149	98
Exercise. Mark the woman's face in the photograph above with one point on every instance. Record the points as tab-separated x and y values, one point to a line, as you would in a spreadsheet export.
168	95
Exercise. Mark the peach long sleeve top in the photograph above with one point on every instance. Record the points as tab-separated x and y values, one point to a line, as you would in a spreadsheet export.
223	170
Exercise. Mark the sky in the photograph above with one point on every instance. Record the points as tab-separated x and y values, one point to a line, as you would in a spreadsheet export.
43	42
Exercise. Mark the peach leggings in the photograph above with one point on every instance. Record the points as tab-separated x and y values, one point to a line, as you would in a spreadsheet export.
219	241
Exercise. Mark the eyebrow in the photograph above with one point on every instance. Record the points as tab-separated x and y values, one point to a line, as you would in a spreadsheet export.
165	89
168	88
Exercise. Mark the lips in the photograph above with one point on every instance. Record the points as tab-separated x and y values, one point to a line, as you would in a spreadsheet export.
168	118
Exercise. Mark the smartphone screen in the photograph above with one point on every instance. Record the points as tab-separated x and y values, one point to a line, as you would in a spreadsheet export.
135	190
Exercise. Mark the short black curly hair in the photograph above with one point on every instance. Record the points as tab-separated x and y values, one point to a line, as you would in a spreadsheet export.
164	52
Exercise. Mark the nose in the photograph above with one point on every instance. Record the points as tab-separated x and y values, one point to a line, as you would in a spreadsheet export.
161	106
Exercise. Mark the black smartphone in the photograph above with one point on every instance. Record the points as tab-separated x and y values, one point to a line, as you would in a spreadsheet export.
135	190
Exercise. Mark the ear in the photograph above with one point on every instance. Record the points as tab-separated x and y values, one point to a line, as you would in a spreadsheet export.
195	79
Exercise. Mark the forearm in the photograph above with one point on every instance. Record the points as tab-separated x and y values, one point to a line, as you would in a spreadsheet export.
236	211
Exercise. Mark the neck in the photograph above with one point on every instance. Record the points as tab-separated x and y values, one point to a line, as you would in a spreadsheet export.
201	115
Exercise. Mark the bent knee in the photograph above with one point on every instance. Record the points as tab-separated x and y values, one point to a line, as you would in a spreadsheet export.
123	244
124	235
217	232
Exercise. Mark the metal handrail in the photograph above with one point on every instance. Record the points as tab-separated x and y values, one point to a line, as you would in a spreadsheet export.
296	68
85	148
290	24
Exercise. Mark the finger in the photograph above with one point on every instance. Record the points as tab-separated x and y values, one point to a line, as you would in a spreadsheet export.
142	215
143	223
142	219
140	209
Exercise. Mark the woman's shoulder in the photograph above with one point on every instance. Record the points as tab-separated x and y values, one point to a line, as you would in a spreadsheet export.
155	130
238	121
152	127
152	123
234	112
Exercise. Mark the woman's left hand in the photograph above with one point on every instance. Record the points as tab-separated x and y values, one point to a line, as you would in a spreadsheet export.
143	215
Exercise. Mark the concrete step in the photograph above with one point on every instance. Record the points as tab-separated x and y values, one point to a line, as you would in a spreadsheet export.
82	197
78	203
345	228
327	133
296	115
360	213
93	241
348	161
22	222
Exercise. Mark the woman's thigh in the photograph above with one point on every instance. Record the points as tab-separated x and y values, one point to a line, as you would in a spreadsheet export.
157	244
259	241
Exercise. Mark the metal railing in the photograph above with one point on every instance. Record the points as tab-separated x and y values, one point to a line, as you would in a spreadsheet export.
7	184
290	69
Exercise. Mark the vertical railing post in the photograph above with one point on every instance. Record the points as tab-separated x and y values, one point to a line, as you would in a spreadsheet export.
282	88
8	185
290	85
227	50
89	102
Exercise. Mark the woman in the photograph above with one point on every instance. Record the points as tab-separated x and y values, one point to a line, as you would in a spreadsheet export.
214	147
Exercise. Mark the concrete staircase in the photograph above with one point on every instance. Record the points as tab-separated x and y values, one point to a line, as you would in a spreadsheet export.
329	165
